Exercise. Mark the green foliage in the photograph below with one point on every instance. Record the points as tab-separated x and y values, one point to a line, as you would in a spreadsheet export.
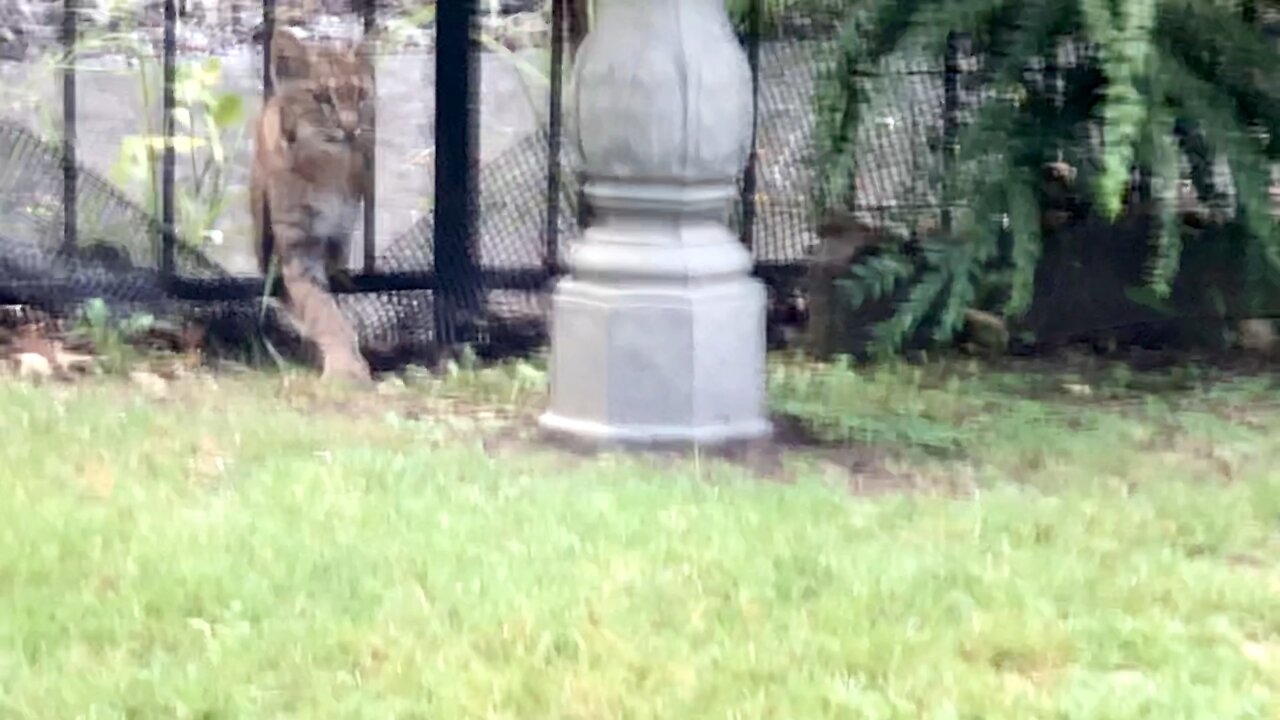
877	278
398	26
1124	33
887	405
208	128
1170	81
111	337
202	116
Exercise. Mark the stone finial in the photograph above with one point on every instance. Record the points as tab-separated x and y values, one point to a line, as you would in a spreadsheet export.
663	91
658	332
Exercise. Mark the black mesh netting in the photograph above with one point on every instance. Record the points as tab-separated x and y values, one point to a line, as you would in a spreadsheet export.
117	246
511	236
898	151
117	255
789	51
117	250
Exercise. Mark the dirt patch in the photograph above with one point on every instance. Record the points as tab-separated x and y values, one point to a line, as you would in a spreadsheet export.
864	470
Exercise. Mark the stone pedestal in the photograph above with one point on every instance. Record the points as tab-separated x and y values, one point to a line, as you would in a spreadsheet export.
658	332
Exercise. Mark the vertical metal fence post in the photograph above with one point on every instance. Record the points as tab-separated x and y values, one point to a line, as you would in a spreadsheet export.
70	18
370	160
950	123
551	261
268	87
167	229
268	29
754	26
456	269
578	25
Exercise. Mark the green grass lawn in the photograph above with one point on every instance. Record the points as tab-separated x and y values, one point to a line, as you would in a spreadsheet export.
245	547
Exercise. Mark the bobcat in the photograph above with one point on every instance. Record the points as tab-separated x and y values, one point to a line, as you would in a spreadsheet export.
308	178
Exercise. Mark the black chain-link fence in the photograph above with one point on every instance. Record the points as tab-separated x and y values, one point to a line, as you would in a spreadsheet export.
473	204
458	213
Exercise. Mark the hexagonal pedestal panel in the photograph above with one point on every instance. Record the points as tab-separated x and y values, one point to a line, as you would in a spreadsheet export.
657	364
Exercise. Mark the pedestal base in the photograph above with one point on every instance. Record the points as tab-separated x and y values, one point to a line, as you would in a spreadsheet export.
652	364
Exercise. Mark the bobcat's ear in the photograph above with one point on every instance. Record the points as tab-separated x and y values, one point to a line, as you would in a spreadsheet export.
289	57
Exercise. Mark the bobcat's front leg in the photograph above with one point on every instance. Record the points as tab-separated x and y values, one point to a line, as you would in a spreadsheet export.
304	272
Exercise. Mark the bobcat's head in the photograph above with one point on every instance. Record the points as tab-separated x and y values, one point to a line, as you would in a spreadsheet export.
325	92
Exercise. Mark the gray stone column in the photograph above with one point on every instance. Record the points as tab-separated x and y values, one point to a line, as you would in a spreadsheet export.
658	331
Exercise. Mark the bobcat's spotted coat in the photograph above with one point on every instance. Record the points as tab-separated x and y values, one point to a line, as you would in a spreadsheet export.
308	180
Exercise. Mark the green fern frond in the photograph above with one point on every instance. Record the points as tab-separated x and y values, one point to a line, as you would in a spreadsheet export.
1171	78
874	279
1165	181
1247	157
891	334
1232	55
1125	33
1245	152
1024	232
960	270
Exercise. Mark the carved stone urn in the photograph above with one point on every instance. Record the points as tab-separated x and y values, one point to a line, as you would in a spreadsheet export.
658	330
